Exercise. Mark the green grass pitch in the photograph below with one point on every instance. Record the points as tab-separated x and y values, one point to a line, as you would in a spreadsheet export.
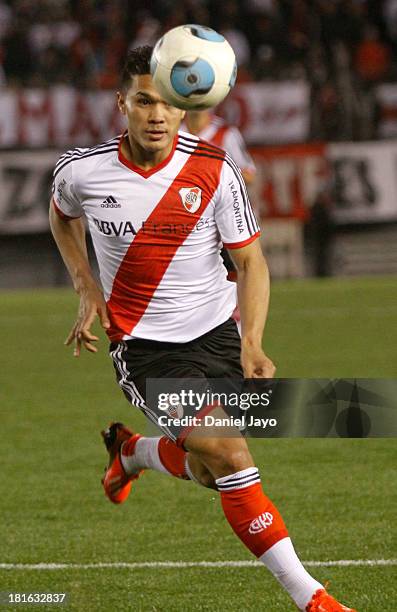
336	496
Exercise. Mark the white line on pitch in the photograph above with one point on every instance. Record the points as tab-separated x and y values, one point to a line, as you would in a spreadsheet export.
187	564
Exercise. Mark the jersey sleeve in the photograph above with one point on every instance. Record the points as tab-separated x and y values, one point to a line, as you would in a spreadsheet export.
234	144
234	216
65	198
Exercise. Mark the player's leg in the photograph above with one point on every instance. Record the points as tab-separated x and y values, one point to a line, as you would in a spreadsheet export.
216	354
129	453
199	473
251	514
256	520
163	455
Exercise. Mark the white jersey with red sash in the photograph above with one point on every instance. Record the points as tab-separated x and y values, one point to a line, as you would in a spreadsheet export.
157	235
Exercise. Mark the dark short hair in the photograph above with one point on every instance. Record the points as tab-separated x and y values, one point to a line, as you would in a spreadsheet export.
137	62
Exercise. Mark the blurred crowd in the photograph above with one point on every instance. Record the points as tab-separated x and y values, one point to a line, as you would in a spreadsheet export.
342	47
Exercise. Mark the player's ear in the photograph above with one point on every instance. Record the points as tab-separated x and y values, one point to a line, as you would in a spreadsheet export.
183	115
121	102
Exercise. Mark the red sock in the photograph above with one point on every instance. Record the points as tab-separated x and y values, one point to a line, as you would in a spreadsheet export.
172	457
160	454
252	516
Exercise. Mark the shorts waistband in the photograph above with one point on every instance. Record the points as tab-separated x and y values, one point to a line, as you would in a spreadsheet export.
142	343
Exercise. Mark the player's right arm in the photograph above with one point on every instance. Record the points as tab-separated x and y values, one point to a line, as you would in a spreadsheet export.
68	229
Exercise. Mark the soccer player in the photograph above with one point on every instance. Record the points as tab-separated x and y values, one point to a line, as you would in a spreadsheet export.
158	204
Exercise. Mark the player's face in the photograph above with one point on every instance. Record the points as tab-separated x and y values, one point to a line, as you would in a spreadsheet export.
152	123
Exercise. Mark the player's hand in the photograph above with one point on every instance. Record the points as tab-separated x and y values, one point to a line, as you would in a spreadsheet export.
92	303
255	363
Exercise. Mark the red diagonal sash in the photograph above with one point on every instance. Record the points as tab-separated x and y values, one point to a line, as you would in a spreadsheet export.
156	243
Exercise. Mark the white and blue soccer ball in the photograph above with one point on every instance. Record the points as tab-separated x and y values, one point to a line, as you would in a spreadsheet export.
193	67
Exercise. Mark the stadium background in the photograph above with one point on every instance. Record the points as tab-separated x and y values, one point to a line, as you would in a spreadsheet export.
316	100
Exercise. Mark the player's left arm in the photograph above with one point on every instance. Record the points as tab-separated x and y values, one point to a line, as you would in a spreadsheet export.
239	232
253	288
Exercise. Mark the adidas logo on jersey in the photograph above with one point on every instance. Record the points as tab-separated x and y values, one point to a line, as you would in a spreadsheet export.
261	523
110	202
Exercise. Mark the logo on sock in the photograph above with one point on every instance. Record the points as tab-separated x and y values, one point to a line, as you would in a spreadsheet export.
259	524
